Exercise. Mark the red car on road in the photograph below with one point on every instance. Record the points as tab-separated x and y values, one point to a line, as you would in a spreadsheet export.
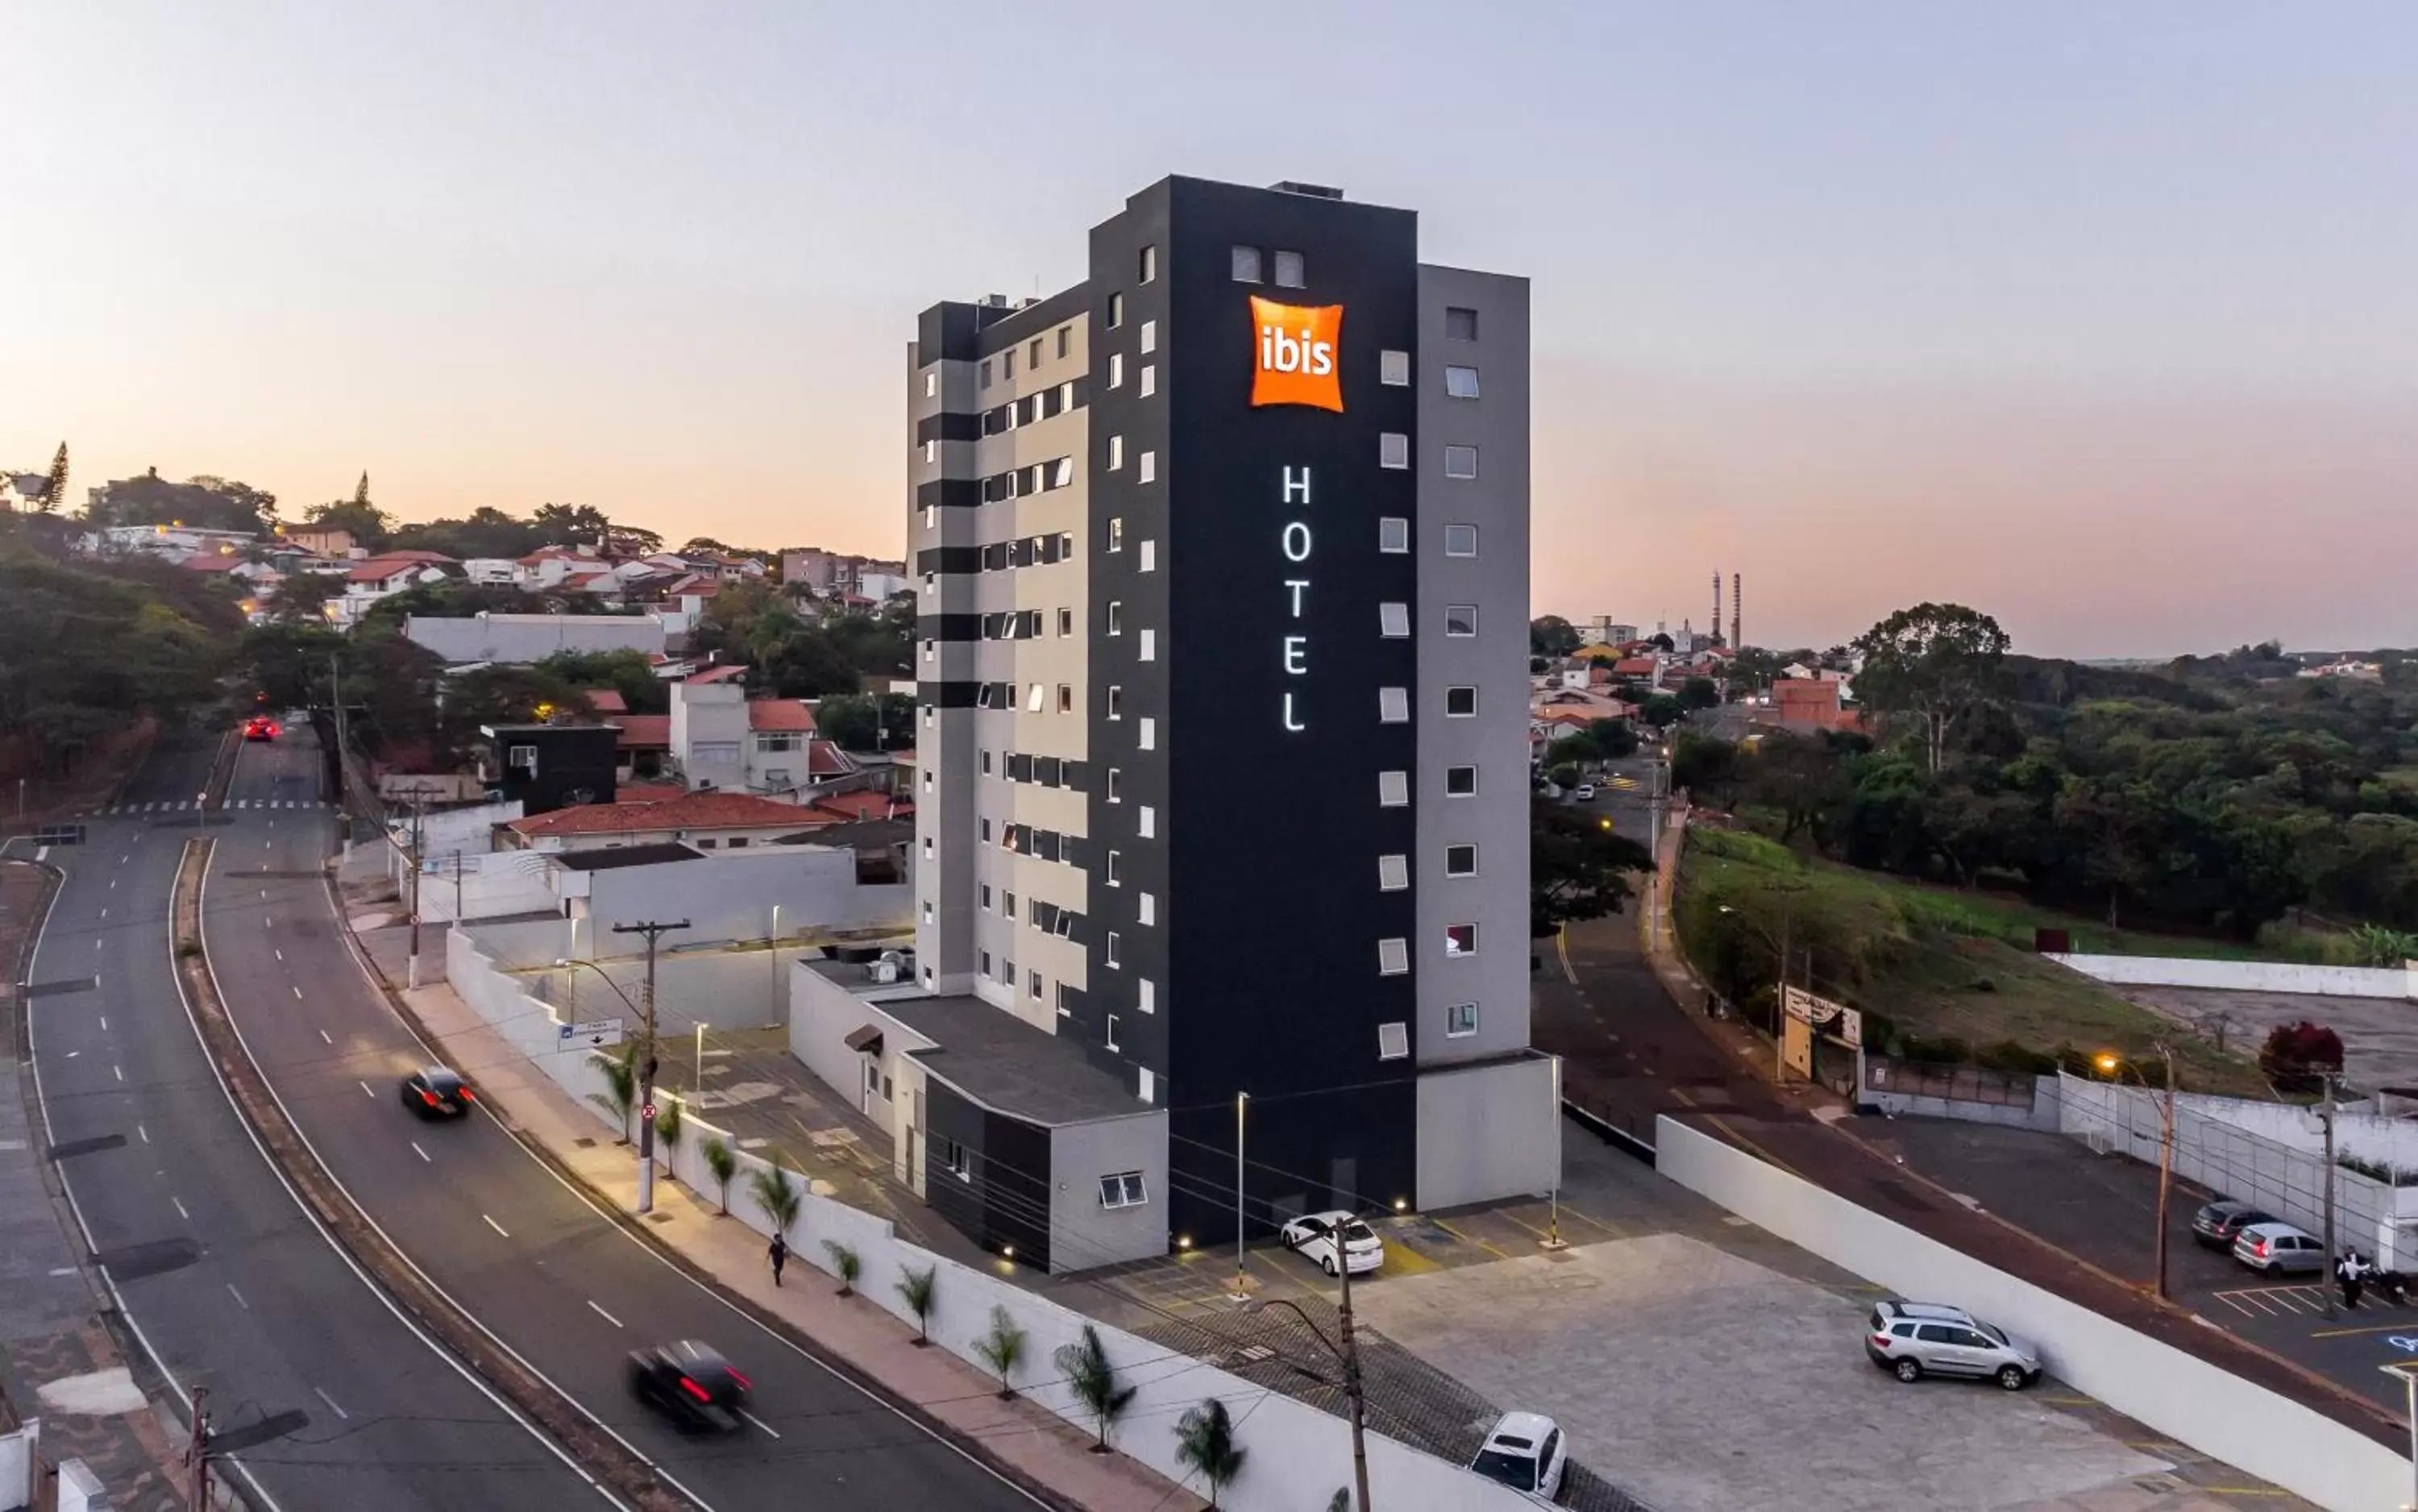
260	727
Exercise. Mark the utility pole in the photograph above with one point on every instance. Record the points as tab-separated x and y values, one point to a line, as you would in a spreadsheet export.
197	1448
2165	1166
411	975
336	697
2331	1309
1780	1003
1351	1351
457	885
654	932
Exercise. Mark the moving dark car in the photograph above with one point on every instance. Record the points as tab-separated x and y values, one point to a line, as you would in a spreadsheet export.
2220	1223
692	1384
260	727
433	1092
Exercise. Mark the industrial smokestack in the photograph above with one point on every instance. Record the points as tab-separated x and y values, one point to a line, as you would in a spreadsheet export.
1715	628
1737	597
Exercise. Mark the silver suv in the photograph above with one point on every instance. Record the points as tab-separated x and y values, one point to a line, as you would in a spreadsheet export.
1911	1339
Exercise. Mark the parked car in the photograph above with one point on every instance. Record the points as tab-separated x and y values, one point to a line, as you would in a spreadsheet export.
2278	1248
692	1384
1912	1340
435	1091
1314	1236
260	727
1527	1452
2216	1224
1584	793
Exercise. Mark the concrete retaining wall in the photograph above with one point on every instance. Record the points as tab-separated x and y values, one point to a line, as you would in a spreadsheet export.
2178	1395
2247	976
1297	1455
18	1467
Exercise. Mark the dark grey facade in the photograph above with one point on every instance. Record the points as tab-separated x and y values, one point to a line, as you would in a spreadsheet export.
547	767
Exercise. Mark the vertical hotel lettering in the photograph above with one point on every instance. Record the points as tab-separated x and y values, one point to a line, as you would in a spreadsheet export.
1295	363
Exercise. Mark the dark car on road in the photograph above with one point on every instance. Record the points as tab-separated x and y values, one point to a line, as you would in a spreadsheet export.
2219	1224
260	727
433	1092
692	1384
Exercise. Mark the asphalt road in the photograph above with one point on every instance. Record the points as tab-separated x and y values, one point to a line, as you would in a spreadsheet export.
229	1283
548	1273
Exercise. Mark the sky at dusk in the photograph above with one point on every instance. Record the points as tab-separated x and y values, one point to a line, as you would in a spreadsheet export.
2104	319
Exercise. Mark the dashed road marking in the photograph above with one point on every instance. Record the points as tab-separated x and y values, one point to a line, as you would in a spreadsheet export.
143	1133
591	1302
323	1035
298	994
758	1422
238	1297
366	1087
121	1072
422	1154
332	1403
500	1228
179	1204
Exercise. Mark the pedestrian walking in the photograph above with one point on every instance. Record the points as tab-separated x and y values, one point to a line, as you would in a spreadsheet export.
2351	1272
780	1253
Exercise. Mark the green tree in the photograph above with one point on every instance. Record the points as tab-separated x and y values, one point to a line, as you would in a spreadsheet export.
669	1124
777	1193
301	599
1204	1440
1930	666
919	1291
54	486
1001	1350
1699	693
625	672
1578	866
1552	635
844	1264
1093	1381
1705	765
1797	775
1662	711
620	1094
722	1163
1612	737
368	526
867	722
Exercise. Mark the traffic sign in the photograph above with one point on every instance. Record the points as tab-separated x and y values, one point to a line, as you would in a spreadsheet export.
596	1033
648	1112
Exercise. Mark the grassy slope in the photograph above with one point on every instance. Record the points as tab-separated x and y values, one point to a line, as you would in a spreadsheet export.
1916	954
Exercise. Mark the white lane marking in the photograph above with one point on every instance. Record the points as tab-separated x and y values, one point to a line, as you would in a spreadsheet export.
72	1054
279	953
105	1023
323	1034
366	1087
96	943
298	994
599	1311
112	881
143	1132
332	1403
104	912
422	1154
263	893
500	1228
121	1072
247	1307
180	1205
758	1422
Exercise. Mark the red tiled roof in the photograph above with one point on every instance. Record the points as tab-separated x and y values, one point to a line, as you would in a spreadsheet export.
824	759
691	811
717	674
378	568
866	805
779	714
608	701
423	556
644	732
1635	666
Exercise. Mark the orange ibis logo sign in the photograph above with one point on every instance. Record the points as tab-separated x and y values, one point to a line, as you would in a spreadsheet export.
1296	361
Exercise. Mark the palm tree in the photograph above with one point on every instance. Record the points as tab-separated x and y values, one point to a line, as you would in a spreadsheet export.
777	1193
1205	1439
667	1125
1093	1381
620	1094
919	1289
722	1162
1001	1349
1341	1501
844	1260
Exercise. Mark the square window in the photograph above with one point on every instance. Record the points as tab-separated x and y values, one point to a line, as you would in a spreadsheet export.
1116	701
1124	1189
1148	826
1115	942
1461	703
1393	449
1460	860
1149	562
1116	369
1393	957
1065	621
1393	1041
1460	462
1290	273
931	383
1115	868
1112	785
1393	790
1460	1019
1393	534
1460	940
1393	873
1149	270
1461	541
1116	452
1393	368
1392	706
1459	781
1146	908
1148	470
1066	697
1065	336
1148	379
1146	995
1116	618
1146	737
1246	265
1117	533
1393	621
1116	311
1149	336
1460	325
1461	620
1460	383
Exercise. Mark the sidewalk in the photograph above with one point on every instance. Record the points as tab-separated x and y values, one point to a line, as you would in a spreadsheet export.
1032	1442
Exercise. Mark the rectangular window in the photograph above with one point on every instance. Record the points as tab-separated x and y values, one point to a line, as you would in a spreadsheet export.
1117	533
1115	941
982	377
1393	449
1061	473
1393	873
1116	701
931	451
1146	735
1460	325
1460	940
1246	265
521	758
1460	1020
1146	995
1007	975
1149	562
1065	621
1392	706
1116	452
1032	354
1393	1041
1032	987
1394	369
1145	907
1149	380
1461	620
1147	472
1112	785
1393	957
1147	826
1123	1190
1461	703
955	1158
1149	337
1007	365
1066	697
1116	618
1461	541
984	832
1115	868
1460	383
1116	369
1116	311
1460	462
1065	336
1393	790
1037	698
1393	534
927	910
1065	393
1149	270
931	383
1290	273
985	963
1393	621
1460	860
1459	781
1112	1031
1148	648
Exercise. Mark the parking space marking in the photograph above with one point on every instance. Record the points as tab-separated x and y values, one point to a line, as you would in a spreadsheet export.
2345	1333
1498	1253
2275	1301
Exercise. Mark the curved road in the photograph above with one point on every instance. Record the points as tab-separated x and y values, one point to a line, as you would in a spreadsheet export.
550	1275
230	1286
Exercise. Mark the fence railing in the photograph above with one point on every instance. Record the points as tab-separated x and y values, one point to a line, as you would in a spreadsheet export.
1954	1083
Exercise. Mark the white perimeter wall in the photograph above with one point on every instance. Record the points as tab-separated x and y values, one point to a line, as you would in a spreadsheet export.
2247	976
17	1458
1297	1455
2177	1394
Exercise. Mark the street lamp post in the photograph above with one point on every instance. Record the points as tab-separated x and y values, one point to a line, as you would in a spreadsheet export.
1780	1000
1242	1277
2112	1064
1348	1355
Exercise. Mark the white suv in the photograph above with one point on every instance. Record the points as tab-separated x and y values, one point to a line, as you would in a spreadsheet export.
1912	1340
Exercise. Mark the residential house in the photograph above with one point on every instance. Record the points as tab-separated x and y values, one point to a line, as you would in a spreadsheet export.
318	543
1804	705
705	820
369	581
2351	667
549	766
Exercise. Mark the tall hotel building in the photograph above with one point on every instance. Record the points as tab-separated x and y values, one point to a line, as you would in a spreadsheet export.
1222	559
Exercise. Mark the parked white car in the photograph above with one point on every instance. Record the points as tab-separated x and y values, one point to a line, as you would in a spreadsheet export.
1314	1236
1527	1452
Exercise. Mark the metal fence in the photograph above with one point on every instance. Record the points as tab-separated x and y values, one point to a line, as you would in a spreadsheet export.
1955	1083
